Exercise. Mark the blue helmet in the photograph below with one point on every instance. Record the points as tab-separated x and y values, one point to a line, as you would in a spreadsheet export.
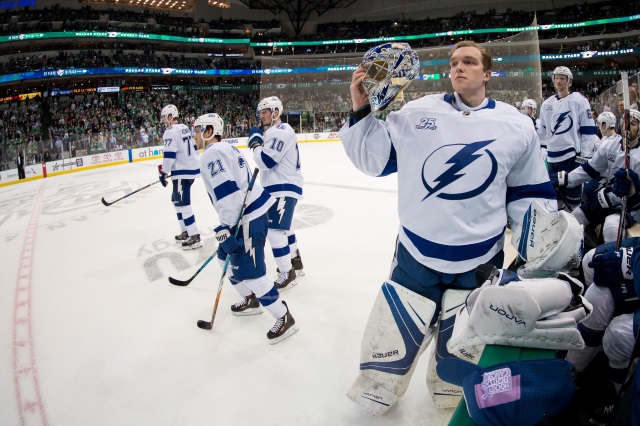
390	68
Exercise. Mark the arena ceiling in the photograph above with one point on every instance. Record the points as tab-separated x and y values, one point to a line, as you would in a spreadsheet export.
298	11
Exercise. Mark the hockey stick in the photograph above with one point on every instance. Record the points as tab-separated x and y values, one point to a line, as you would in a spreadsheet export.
208	325
624	83
187	282
106	203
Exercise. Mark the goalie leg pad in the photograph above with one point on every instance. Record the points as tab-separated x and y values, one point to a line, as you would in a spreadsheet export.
447	395
396	334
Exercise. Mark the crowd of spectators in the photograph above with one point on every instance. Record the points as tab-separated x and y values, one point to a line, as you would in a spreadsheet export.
93	123
120	58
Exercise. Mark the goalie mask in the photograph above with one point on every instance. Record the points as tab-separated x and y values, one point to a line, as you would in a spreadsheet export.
549	242
390	68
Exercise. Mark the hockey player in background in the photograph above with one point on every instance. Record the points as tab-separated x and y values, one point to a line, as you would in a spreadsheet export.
530	109
601	205
276	154
467	165
613	277
226	177
568	131
181	161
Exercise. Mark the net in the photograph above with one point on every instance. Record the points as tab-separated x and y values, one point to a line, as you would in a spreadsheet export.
315	92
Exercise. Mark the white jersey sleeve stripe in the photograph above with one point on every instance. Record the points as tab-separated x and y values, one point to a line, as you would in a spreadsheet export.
268	161
224	189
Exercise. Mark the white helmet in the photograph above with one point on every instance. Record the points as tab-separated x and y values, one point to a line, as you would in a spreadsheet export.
213	120
272	102
169	110
634	113
529	103
549	242
607	118
563	71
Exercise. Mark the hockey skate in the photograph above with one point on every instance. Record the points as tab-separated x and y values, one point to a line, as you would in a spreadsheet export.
192	242
285	280
283	328
181	238
249	306
296	262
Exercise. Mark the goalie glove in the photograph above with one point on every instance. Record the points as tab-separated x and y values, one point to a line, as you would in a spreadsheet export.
162	176
612	266
226	239
539	313
255	138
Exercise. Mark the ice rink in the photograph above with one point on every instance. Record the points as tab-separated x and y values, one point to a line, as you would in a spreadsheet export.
92	333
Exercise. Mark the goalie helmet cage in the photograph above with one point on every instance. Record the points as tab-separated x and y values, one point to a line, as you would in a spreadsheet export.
318	101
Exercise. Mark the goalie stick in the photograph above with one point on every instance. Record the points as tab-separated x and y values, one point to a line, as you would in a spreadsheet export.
623	86
106	203
208	325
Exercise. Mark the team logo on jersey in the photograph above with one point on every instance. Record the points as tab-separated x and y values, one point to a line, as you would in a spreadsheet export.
427	124
564	123
465	165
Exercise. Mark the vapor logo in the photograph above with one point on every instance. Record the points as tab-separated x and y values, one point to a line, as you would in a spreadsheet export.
564	123
464	166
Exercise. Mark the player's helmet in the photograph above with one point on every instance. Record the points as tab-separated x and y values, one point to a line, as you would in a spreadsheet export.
607	118
528	103
390	68
635	114
213	120
169	110
271	102
549	241
563	71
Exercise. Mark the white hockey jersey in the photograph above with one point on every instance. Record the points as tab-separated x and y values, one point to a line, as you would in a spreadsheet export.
279	162
605	162
567	127
226	175
461	175
180	153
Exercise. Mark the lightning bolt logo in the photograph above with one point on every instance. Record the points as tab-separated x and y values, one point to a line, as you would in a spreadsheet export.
562	118
280	208
459	161
248	243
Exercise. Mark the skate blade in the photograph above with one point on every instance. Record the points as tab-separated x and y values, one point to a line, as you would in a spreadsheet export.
291	284
290	332
191	247
247	312
299	272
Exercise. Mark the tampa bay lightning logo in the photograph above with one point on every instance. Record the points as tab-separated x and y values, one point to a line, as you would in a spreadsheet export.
460	157
564	123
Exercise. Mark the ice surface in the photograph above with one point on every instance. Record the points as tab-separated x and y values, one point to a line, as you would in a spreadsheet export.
92	333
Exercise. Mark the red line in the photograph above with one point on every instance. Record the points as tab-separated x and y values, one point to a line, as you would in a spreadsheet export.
25	374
